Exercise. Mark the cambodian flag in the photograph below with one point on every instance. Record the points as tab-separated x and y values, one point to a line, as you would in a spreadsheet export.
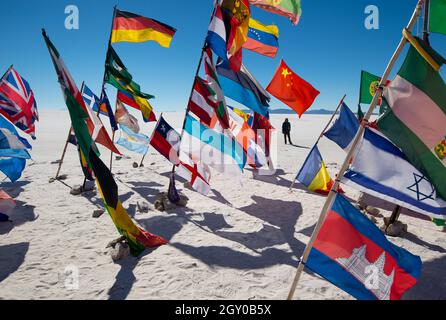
351	252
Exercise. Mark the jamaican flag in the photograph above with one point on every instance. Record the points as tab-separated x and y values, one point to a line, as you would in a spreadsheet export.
118	76
137	238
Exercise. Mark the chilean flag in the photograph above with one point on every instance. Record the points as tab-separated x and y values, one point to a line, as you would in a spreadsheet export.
166	140
353	254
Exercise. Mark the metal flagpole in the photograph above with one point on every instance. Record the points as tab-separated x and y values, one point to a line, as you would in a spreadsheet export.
330	199
153	133
196	74
426	21
323	131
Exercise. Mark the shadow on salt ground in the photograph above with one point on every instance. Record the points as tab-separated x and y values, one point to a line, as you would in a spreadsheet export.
11	258
145	189
388	206
275	179
414	239
432	283
165	227
300	147
14	189
21	214
281	214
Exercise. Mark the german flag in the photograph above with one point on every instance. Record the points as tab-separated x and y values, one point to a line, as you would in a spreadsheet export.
130	27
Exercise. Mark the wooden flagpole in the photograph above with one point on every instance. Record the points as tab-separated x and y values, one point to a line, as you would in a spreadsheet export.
323	131
330	199
151	137
63	154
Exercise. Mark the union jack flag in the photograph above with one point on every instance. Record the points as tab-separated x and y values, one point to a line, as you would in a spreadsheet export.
17	102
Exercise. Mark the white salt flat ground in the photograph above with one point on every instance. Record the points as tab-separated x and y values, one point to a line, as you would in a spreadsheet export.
242	242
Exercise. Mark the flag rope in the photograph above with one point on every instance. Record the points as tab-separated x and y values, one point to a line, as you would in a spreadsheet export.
331	197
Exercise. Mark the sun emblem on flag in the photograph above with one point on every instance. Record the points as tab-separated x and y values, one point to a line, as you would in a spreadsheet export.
373	87
440	150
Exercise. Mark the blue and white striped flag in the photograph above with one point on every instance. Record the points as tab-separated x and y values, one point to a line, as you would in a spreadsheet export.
132	141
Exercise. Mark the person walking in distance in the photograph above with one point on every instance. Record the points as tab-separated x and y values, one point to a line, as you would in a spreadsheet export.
286	130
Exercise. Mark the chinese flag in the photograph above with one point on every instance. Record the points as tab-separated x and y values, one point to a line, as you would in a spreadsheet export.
292	90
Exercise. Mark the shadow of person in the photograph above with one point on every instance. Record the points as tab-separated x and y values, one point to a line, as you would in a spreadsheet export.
11	258
432	283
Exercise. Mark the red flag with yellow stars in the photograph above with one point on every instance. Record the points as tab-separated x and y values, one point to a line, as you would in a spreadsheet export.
292	90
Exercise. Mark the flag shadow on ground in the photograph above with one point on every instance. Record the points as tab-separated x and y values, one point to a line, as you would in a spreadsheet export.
275	179
12	257
432	283
21	214
165	227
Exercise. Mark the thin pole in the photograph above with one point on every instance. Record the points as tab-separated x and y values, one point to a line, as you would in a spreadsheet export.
192	89
330	199
426	21
108	48
151	137
63	154
323	131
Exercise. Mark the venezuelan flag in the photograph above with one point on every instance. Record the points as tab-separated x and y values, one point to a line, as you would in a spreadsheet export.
262	39
138	103
314	175
130	27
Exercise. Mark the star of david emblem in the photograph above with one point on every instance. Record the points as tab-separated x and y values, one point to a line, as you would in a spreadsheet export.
421	185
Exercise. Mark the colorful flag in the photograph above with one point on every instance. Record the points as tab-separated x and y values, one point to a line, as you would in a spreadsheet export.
172	193
13	153
118	76
130	27
195	172
292	90
217	40
7	203
214	87
351	252
17	102
416	117
314	175
94	124
166	140
200	103
96	104
86	170
369	85
137	238
236	13
344	129
9	127
136	142
212	148
360	113
104	104
264	131
124	117
138	103
379	168
287	8
262	39
246	138
243	87
437	12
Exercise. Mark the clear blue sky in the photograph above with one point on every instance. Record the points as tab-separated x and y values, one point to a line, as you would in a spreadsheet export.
328	48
